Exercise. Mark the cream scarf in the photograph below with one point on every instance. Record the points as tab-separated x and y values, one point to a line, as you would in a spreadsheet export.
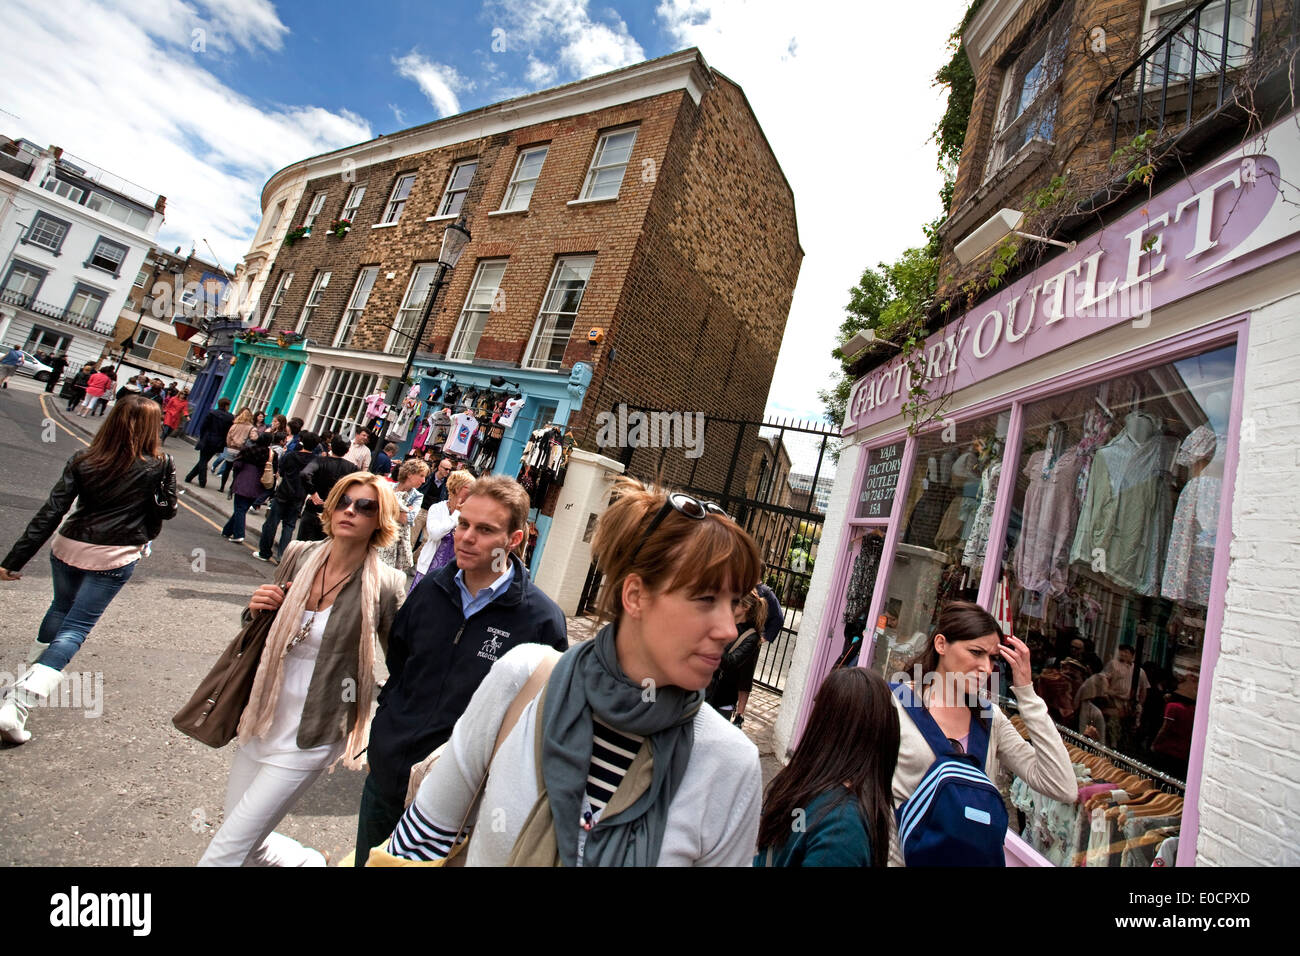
257	716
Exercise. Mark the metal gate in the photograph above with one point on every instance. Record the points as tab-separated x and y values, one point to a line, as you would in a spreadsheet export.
772	476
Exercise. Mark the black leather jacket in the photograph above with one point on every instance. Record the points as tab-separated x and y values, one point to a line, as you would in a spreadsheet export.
119	511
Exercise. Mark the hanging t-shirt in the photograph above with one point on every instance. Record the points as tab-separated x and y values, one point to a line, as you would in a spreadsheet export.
375	405
512	411
463	427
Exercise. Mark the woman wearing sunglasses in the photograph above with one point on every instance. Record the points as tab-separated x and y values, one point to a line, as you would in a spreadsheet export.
618	761
310	705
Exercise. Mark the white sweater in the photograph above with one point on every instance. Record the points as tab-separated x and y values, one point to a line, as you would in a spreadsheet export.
713	819
1044	764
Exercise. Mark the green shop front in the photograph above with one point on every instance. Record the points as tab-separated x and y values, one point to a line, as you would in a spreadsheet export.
265	373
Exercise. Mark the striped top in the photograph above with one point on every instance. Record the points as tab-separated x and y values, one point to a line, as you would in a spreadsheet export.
419	838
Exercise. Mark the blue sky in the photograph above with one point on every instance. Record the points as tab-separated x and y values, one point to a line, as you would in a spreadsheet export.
844	93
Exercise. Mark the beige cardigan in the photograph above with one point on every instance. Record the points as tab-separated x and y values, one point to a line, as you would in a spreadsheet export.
1044	765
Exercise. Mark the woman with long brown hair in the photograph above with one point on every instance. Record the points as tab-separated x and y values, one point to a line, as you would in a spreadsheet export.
618	761
310	704
831	805
124	489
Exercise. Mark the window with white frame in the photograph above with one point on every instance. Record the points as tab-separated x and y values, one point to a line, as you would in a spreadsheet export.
318	285
120	211
462	174
408	316
47	232
397	201
1031	92
85	304
286	280
22	283
608	164
107	255
356	305
1205	30
344	398
317	203
259	383
559	310
141	278
60	188
528	167
482	295
353	203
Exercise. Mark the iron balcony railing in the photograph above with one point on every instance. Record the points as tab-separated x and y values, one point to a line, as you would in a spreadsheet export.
45	310
1192	67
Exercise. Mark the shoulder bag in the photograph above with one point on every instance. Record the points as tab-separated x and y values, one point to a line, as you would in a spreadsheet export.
212	714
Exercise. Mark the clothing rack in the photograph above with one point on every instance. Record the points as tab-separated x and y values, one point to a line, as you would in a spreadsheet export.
1166	783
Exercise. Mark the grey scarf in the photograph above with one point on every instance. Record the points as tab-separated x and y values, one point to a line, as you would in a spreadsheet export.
587	681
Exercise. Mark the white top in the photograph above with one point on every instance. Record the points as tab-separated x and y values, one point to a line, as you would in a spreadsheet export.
712	821
463	427
436	525
280	745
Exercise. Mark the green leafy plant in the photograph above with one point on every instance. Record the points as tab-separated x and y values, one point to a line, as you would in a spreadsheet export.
293	235
340	227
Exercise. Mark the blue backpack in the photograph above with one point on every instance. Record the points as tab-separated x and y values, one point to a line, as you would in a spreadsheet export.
956	817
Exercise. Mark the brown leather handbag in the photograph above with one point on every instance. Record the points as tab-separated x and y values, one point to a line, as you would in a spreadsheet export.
212	715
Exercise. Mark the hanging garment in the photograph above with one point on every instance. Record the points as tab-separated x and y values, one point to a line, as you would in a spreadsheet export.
421	434
1190	559
1042	554
977	541
1097	431
927	516
463	427
862	581
511	412
403	423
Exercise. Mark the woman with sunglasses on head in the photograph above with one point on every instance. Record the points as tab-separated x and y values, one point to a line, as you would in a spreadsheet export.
618	761
955	671
831	805
310	704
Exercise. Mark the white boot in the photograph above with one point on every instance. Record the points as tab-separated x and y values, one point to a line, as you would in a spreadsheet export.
34	654
33	686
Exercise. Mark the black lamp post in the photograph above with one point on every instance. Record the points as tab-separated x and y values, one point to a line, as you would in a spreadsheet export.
454	240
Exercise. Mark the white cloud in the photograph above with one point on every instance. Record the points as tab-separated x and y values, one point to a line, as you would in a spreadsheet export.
250	24
844	94
583	45
438	82
140	103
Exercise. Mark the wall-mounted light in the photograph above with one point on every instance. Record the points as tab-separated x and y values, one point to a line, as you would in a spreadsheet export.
1003	223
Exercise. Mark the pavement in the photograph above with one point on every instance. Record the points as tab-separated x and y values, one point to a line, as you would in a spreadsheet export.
106	779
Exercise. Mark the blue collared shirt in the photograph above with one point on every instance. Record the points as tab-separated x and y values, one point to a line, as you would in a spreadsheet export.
473	603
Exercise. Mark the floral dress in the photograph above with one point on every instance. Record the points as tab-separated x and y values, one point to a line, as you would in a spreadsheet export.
399	554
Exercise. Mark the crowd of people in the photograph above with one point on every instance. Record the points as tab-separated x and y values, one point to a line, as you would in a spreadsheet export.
621	750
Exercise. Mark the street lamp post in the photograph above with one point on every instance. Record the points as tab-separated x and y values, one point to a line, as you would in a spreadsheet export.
454	240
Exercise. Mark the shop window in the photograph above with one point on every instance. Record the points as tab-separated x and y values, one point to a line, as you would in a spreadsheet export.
866	550
1109	557
946	518
344	401
259	383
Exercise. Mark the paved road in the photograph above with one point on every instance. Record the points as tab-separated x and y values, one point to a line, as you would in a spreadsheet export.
124	787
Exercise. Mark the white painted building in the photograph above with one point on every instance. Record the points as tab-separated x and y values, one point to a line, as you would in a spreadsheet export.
74	238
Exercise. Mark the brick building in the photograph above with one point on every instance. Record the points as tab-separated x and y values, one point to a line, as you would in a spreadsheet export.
169	299
1113	466
633	241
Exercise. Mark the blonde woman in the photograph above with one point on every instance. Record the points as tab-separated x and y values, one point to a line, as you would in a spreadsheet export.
241	430
409	479
439	543
310	705
618	762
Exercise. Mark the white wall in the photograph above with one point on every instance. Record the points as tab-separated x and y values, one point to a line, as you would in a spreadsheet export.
567	557
1250	787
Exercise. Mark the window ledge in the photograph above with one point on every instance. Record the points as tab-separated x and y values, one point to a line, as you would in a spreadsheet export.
441	218
590	202
385	225
508	212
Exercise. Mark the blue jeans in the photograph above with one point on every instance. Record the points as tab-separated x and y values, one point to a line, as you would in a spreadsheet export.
286	517
80	598
235	526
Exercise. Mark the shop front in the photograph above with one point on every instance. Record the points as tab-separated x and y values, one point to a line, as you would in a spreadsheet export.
1105	476
264	374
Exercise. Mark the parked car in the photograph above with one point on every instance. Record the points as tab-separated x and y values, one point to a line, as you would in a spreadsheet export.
34	367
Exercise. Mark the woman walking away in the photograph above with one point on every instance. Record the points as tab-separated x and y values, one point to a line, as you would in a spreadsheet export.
337	598
443	516
618	762
176	412
74	389
409	479
96	385
241	431
124	490
948	720
831	805
248	467
736	673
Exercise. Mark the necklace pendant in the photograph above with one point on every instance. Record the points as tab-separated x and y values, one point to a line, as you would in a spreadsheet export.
301	635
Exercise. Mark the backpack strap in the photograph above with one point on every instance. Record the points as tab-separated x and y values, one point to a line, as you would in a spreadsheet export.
981	732
923	720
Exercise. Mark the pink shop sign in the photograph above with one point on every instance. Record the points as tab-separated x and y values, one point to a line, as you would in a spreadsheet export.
1226	220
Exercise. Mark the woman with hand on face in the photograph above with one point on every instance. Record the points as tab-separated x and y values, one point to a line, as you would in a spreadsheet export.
956	668
618	761
310	704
